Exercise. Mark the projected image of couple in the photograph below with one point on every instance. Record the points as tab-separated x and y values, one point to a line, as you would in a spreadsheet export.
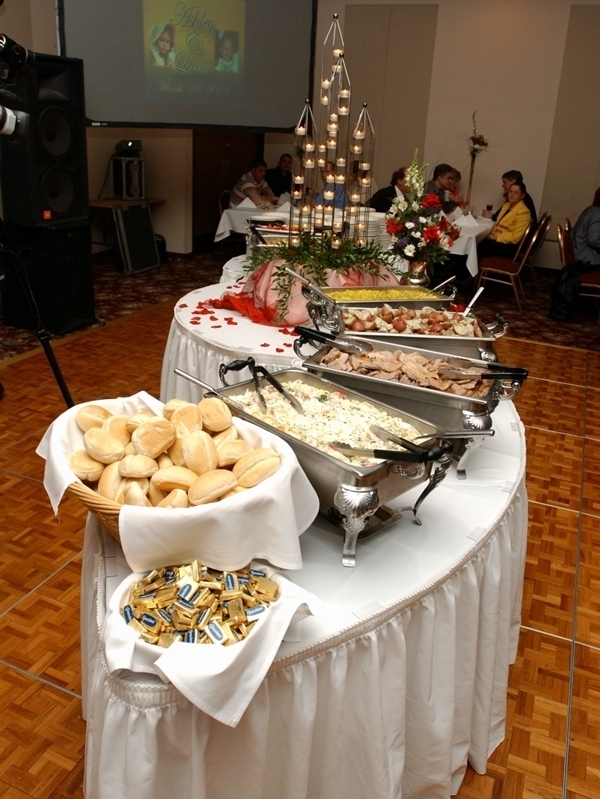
162	50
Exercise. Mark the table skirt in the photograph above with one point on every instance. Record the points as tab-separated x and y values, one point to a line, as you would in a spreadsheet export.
393	706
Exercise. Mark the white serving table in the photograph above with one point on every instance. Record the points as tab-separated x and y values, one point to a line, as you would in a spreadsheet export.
388	694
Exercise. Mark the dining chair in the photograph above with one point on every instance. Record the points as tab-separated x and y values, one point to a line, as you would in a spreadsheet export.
506	271
542	228
224	198
589	285
568	226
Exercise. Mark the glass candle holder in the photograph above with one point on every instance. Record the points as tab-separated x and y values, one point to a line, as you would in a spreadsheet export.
298	179
300	130
341	162
309	163
340	178
324	99
364	165
356	149
358	134
325	83
343	110
345	93
338	52
333	117
309	147
328	195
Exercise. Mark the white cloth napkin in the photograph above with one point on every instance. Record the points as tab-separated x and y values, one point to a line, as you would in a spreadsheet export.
283	201
246	203
263	522
284	207
220	680
466	221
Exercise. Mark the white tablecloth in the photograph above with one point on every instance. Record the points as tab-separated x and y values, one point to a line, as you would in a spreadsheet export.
387	695
472	232
233	220
199	342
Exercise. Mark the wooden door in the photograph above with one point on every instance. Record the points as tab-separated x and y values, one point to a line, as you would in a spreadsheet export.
220	158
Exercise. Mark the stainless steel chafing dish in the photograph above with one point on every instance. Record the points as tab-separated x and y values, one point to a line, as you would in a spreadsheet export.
372	296
354	497
327	314
447	411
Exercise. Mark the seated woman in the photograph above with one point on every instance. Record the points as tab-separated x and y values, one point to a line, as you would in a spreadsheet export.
586	233
504	237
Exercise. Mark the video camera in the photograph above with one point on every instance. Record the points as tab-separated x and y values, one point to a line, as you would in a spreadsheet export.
13	58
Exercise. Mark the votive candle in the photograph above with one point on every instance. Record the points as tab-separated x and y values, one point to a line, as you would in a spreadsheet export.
300	130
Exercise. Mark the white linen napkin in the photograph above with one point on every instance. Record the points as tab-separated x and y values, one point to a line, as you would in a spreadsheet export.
466	221
284	200
284	207
246	203
220	680
262	522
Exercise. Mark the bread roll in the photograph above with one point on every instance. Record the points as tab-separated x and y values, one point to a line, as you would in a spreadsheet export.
170	406
237	490
153	437
216	416
231	451
117	427
173	477
137	466
135	496
155	495
177	498
139	418
189	414
89	416
109	483
130	449
256	466
164	460
209	487
102	446
199	452
142	483
85	467
175	451
229	434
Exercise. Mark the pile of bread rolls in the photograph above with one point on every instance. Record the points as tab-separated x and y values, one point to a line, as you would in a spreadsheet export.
192	455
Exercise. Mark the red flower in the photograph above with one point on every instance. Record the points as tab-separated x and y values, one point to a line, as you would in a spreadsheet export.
431	201
392	227
431	234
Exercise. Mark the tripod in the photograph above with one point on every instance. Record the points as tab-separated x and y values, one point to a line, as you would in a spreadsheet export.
41	332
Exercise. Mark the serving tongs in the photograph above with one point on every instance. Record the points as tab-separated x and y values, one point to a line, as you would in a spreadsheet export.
257	372
308	335
472	301
416	455
309	289
385	435
513	373
207	386
253	229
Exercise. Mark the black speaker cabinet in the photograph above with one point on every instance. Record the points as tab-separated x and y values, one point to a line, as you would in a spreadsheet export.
137	241
44	174
58	263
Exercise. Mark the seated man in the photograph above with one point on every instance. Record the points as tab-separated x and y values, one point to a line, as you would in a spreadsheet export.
329	185
253	185
508	178
280	178
443	183
586	233
381	201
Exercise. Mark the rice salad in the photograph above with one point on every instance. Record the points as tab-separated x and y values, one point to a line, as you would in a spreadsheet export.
328	416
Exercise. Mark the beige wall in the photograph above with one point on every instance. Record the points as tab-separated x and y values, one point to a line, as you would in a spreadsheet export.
515	62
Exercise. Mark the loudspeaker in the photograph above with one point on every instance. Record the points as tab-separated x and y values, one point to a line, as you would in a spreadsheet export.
44	175
58	264
137	241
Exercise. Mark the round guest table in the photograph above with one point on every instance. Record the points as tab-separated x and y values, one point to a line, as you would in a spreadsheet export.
387	693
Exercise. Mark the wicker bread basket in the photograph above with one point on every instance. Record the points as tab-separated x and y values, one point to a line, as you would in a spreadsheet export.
105	509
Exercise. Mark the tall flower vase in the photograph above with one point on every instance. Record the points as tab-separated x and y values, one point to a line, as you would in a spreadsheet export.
417	275
471	173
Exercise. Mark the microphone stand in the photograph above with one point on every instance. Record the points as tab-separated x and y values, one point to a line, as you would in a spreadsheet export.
41	332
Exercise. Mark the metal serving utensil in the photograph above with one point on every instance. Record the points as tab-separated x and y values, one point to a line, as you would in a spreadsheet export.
422	456
440	285
473	300
208	387
260	371
385	435
308	334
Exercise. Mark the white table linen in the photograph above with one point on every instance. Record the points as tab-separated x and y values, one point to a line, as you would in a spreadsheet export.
199	343
472	231
233	220
389	695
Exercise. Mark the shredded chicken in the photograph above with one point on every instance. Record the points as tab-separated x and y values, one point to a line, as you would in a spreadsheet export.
410	368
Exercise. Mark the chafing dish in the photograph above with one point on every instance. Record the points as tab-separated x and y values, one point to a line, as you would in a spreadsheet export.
372	296
352	496
473	415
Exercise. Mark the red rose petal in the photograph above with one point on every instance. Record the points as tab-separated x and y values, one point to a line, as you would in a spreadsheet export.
214	318
183	305
266	344
287	344
216	325
279	349
194	321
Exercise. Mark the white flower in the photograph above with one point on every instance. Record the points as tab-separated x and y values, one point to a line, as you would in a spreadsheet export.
422	219
421	244
410	225
402	204
409	250
415	206
416	234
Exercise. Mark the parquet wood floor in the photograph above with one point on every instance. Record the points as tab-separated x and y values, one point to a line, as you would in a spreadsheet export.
552	744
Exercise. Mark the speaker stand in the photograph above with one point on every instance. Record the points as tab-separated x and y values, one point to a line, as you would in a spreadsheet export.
41	332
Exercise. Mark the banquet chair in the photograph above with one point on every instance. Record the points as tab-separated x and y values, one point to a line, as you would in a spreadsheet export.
507	271
224	198
238	239
542	228
589	281
568	226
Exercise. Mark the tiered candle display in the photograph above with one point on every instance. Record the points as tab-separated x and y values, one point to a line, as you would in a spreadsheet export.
331	182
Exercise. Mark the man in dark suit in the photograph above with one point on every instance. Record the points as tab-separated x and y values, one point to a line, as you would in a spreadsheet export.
508	178
382	200
279	179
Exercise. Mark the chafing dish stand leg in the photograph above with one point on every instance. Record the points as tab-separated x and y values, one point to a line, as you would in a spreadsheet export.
355	504
471	445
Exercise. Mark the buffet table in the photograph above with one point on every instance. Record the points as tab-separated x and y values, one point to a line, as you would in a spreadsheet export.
388	692
199	342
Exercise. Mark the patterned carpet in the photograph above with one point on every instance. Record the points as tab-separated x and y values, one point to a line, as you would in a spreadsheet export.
118	294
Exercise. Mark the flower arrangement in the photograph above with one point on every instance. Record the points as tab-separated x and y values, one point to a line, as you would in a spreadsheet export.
419	232
477	144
